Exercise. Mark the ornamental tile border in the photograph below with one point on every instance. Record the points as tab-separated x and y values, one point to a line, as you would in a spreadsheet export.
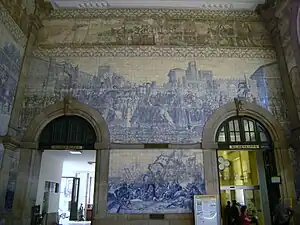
191	14
151	51
13	28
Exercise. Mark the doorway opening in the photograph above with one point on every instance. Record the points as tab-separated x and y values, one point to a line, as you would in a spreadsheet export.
68	164
246	165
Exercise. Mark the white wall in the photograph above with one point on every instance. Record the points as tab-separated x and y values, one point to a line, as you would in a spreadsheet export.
70	169
51	170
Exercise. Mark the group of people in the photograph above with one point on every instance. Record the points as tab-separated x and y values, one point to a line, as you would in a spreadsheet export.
235	214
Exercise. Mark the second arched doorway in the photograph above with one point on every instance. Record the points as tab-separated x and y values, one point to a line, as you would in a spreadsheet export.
246	167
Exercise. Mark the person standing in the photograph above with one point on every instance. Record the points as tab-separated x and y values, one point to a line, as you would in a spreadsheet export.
234	213
227	217
244	218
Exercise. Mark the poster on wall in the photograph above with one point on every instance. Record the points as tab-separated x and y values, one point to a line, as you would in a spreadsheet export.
205	209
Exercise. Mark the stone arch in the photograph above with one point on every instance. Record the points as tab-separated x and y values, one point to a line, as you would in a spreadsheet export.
69	106
248	109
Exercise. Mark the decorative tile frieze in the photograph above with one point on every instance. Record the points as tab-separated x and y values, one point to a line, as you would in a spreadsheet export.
152	51
13	28
189	14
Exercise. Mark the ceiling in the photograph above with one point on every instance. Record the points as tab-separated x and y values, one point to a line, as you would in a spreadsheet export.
66	156
192	4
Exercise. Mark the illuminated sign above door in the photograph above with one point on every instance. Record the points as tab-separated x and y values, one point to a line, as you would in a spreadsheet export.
244	147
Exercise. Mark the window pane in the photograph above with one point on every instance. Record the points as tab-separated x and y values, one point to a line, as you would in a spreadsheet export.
251	125
236	125
221	137
237	136
222	130
231	126
252	136
246	125
232	136
263	136
247	136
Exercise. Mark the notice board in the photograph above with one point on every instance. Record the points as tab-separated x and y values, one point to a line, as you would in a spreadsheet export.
205	209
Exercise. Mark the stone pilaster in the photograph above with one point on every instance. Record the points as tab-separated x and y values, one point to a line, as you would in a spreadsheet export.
210	168
26	186
270	16
101	184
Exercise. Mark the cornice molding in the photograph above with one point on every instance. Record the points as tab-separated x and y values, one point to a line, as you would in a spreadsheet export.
153	13
152	51
13	28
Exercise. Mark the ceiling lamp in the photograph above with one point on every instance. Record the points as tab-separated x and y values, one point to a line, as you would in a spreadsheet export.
75	152
223	163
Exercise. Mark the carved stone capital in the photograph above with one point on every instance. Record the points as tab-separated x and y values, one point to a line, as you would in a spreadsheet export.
9	142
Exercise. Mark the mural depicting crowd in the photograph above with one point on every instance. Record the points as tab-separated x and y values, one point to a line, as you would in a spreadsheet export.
167	185
173	112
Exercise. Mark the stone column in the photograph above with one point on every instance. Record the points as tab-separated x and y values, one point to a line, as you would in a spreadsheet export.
13	128
26	187
211	174
272	24
101	185
211	168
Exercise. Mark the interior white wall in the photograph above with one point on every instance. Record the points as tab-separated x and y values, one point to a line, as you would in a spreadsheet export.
79	169
51	170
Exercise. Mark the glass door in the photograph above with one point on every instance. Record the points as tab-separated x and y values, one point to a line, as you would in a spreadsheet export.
242	179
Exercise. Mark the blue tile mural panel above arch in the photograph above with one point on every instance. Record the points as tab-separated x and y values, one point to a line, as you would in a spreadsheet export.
154	181
152	100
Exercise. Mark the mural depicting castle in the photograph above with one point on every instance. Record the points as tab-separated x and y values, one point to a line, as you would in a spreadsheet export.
156	108
154	181
10	65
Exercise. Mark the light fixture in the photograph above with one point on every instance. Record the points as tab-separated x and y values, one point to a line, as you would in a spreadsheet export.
75	152
223	163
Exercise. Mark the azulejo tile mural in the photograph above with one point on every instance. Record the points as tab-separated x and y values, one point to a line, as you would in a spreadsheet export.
153	99
10	65
154	181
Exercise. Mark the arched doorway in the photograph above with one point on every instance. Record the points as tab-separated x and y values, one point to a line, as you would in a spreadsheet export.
246	166
240	108
65	124
68	135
